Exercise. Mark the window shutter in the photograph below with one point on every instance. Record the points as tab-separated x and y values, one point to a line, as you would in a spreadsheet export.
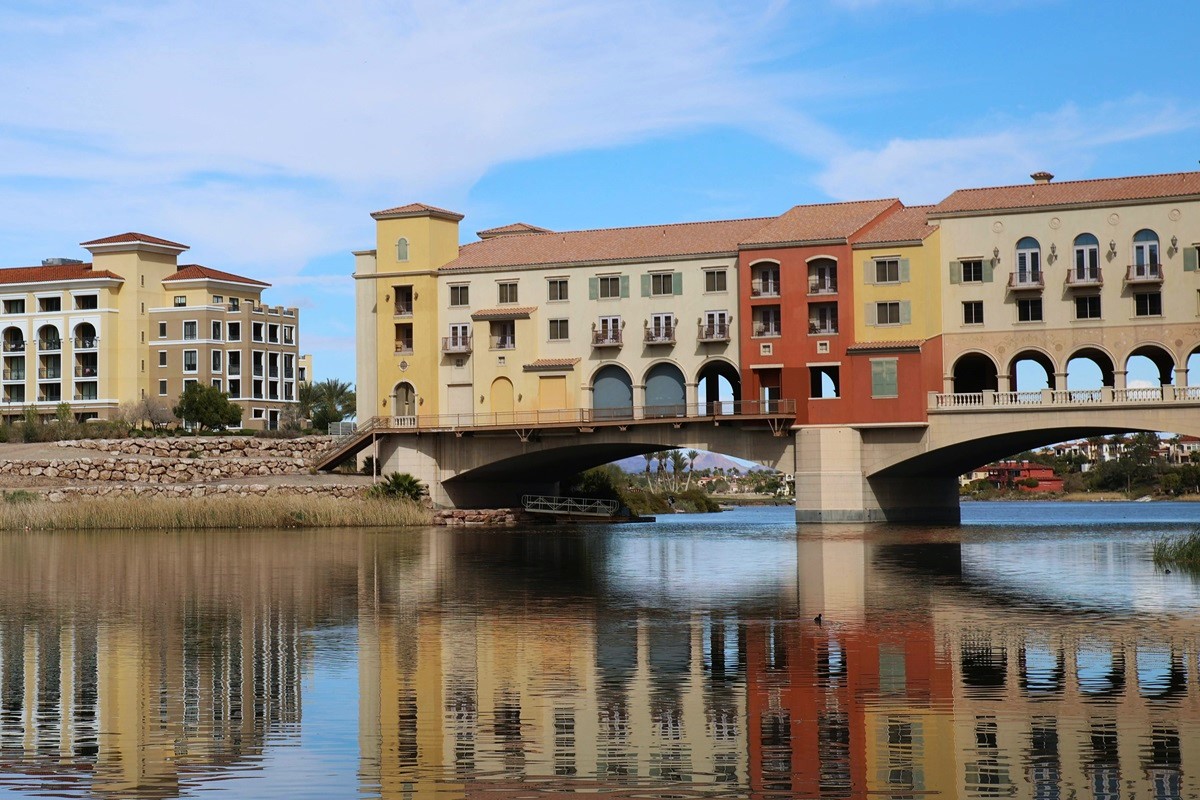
624	286
988	269
956	272
869	272
645	286
904	270
883	377
593	288
905	312
677	283
1191	255
870	315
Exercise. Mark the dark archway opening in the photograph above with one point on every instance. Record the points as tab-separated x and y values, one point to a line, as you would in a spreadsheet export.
974	372
612	393
718	385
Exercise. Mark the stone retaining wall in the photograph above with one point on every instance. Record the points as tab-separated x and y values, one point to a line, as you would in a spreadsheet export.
481	517
67	493
150	470
305	447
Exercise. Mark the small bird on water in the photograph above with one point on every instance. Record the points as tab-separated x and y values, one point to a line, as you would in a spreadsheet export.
817	618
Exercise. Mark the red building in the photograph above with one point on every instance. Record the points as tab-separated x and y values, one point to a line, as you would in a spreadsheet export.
1014	474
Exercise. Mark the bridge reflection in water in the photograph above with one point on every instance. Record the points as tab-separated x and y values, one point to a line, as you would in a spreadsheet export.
506	664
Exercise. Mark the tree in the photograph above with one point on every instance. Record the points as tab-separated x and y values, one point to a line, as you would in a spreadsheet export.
208	407
160	415
332	401
692	455
678	462
400	484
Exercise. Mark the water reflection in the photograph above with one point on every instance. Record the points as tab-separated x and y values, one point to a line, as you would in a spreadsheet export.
517	664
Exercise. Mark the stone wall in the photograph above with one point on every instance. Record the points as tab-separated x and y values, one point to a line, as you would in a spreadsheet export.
481	517
62	494
305	447
151	470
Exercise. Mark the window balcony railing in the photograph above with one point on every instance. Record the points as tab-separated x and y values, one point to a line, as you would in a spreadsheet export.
404	347
288	373
50	373
86	395
273	372
1019	281
14	374
50	397
1144	273
87	342
404	309
258	370
289	338
817	286
766	330
85	372
456	344
659	334
504	343
606	337
822	327
49	344
14	347
1087	278
714	332
761	288
234	370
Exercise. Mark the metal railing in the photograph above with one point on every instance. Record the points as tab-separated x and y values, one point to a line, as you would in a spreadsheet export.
14	347
87	342
49	344
761	288
606	338
1085	278
569	506
761	330
50	373
85	372
822	287
1144	273
718	332
503	343
14	374
660	334
456	344
1107	395
1031	280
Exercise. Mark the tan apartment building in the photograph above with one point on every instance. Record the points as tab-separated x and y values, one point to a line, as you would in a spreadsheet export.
134	324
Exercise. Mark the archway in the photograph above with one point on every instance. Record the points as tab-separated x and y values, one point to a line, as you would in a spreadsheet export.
612	393
14	340
404	400
1088	370
718	385
666	394
48	338
85	336
1031	371
974	372
1149	366
502	396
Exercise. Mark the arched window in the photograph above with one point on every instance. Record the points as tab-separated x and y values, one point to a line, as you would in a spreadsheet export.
1145	254
1029	260
1087	257
402	249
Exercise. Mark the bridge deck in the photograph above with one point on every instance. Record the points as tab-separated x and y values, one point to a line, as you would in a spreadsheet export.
1061	398
779	415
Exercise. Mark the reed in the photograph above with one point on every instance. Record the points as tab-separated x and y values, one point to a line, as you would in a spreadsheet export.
1178	551
23	513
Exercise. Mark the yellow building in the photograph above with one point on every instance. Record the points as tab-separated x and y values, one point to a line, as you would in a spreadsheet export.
896	279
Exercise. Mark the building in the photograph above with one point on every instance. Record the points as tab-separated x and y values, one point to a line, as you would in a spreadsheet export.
1025	476
134	324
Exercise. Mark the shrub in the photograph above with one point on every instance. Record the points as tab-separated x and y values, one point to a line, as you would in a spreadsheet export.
399	485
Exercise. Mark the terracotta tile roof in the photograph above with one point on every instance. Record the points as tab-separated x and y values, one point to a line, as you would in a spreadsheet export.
508	230
416	210
130	238
608	244
58	272
906	225
904	344
1038	195
504	312
192	272
821	222
548	364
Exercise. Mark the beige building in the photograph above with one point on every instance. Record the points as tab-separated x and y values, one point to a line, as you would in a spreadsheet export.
134	324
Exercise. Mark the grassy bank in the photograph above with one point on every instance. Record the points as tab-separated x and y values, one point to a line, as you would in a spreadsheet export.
20	513
1178	551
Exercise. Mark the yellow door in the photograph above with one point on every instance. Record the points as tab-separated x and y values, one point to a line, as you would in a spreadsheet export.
502	396
552	396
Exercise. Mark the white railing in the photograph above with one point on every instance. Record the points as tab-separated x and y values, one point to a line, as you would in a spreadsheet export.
972	401
569	506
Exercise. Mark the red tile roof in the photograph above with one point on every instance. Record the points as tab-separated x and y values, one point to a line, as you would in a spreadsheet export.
547	364
416	210
60	272
817	223
131	238
904	344
508	230
193	272
906	225
1066	193
608	244
504	312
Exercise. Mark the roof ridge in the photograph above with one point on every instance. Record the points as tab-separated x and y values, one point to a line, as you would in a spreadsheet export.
647	227
849	202
1077	181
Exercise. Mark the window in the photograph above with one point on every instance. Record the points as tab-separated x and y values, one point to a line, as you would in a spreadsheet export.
14	306
973	312
609	330
662	283
256	331
714	280
661	328
162	388
972	271
459	295
216	382
715	326
508	292
765	282
556	289
1148	304
234	304
1087	307
822	318
887	313
234	329
258	413
273	334
1145	254
162	358
1087	257
766	321
558	330
887	270
190	361
216	330
49	304
235	388
289	334
1029	261
460	335
609	286
256	387
87	302
503	334
180	300
1029	310
402	249
216	360
883	378
190	330
824	382
162	330
218	300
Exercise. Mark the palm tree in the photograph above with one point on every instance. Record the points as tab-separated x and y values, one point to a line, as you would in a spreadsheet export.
333	401
691	455
678	462
649	457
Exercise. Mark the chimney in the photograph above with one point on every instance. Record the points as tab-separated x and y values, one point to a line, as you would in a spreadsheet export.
1042	177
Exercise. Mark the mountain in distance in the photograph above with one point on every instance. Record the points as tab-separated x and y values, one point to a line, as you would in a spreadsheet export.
705	460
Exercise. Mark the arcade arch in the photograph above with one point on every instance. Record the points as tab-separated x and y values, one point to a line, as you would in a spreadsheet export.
612	393
1152	360
1090	368
666	391
974	372
718	386
1030	371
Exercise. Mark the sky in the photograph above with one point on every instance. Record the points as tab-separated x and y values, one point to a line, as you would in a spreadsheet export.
263	134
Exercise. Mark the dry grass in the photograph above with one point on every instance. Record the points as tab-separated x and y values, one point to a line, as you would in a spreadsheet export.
22	513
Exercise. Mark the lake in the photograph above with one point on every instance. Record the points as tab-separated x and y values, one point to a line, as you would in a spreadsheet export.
1033	652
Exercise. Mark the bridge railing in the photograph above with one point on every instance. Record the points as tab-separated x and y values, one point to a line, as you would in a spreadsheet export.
972	401
581	506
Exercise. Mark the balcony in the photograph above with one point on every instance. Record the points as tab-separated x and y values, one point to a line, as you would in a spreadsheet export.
14	347
1144	273
456	344
45	345
14	374
606	337
659	334
404	347
503	343
50	373
234	370
819	286
822	327
87	342
1086	279
766	330
85	372
761	288
1026	281
716	332
86	393
404	310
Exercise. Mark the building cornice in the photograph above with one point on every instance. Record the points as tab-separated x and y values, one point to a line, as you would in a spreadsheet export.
992	212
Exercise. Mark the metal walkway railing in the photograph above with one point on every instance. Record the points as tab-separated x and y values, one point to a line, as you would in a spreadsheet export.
569	506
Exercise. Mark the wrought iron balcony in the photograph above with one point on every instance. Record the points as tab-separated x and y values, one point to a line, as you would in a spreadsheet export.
85	372
716	332
821	287
456	344
1085	278
1026	281
1144	273
761	288
49	344
50	373
504	343
14	347
766	330
14	374
87	342
606	337
659	334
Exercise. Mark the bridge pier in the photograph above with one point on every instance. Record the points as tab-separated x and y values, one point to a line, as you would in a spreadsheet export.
832	487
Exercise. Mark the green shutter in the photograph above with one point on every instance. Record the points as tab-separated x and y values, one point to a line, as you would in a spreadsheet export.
956	272
988	268
870	315
904	270
883	377
624	286
677	283
645	286
905	312
593	288
869	272
1191	255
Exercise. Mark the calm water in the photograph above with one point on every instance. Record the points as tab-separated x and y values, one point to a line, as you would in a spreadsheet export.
1034	652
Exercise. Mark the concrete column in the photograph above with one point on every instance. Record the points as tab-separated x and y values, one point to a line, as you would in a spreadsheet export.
1003	383
692	399
1119	378
1181	376
947	384
1060	381
639	400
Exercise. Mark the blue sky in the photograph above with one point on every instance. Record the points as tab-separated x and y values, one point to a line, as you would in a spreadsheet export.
263	134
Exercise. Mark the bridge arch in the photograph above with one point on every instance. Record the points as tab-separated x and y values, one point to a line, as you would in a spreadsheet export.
666	390
1101	360
1157	354
612	391
708	383
974	371
1035	355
